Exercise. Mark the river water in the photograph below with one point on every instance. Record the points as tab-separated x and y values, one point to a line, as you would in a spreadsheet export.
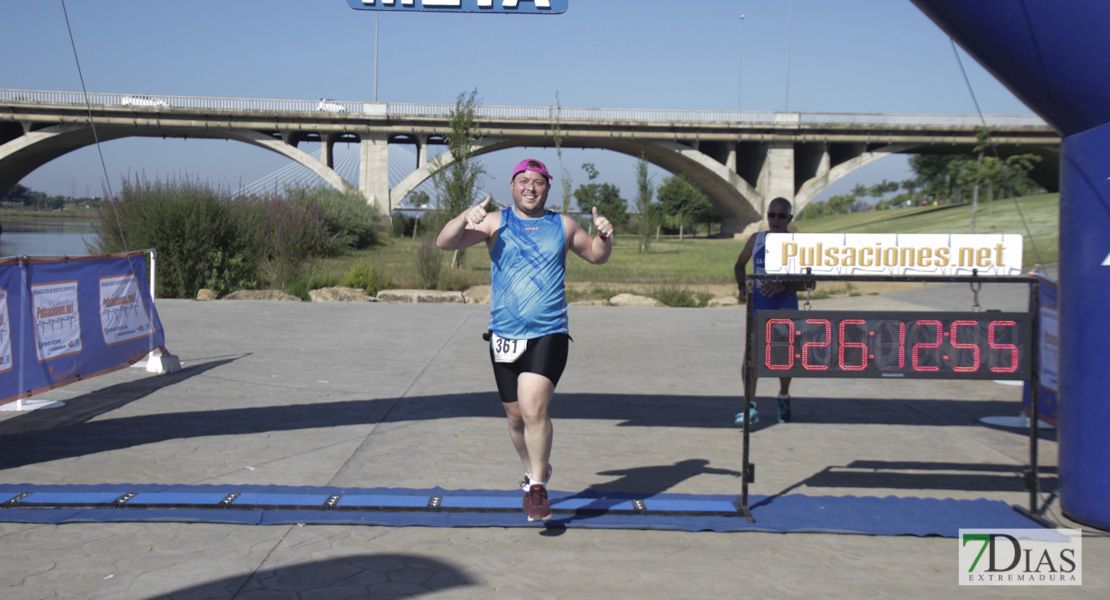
45	237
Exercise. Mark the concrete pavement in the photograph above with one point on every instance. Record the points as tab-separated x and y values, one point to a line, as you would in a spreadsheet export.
401	395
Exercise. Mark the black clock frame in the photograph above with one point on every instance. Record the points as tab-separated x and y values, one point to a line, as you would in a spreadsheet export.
1032	480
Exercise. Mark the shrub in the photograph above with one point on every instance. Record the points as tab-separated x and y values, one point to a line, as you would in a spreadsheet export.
675	297
288	233
404	226
452	281
302	285
186	222
362	276
349	222
226	274
429	262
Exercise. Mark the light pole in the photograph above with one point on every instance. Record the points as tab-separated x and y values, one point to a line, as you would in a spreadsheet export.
376	56
740	68
789	32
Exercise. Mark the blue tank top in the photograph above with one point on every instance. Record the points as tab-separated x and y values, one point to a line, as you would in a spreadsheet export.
527	269
781	300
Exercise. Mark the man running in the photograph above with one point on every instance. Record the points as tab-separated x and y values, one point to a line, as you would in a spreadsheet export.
529	334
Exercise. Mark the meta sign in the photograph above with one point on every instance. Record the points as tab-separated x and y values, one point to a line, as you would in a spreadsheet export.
527	7
894	344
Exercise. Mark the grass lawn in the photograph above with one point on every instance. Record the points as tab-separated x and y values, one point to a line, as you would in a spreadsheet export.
701	264
1039	213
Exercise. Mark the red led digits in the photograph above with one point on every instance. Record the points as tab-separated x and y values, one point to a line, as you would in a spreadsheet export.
920	325
1013	366
894	344
817	347
884	348
787	342
845	345
973	347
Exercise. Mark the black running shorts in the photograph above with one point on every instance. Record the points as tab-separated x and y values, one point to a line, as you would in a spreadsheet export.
545	356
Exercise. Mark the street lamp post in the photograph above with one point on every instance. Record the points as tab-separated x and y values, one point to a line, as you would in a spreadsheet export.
740	68
789	32
375	56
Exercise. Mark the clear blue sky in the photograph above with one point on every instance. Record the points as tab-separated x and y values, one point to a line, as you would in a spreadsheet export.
844	56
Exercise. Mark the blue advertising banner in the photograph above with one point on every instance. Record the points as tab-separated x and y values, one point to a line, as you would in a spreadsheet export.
67	319
1049	340
502	7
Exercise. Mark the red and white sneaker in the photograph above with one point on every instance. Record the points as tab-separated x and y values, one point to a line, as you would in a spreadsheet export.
536	503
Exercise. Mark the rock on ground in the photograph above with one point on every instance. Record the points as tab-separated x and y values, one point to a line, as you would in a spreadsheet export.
634	300
262	295
425	296
340	294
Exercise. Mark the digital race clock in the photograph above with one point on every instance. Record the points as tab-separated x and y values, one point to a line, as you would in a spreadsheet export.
941	345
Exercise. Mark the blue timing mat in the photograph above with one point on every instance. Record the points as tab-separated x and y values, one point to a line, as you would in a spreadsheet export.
395	507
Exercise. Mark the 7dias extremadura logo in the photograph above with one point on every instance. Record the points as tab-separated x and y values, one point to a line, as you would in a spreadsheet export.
1021	557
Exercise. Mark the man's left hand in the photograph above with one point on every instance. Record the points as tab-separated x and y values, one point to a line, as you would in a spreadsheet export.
603	226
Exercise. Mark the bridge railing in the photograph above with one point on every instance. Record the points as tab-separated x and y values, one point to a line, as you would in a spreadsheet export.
544	113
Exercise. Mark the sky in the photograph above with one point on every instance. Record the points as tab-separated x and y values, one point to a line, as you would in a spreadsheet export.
862	56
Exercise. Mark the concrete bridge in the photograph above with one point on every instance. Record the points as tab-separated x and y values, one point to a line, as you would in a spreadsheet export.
740	159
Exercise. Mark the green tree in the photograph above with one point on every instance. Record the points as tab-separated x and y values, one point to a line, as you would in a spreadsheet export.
565	180
457	178
610	204
646	220
933	175
682	202
20	194
586	195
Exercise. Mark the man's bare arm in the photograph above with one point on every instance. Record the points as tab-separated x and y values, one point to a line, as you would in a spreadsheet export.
471	227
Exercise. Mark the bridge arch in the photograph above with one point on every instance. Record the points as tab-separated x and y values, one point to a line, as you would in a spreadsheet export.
814	186
20	156
737	201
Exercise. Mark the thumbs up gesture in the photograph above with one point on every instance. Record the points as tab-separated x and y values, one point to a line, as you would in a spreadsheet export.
477	213
603	226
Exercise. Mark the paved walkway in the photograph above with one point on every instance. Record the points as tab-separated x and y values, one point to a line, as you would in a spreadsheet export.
402	396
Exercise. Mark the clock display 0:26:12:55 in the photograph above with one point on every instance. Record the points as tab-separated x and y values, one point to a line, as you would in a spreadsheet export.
886	344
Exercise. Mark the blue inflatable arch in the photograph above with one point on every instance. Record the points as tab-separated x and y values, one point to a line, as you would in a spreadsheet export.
1055	57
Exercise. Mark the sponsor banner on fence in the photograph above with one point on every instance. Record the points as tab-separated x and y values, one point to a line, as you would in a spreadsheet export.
893	254
62	320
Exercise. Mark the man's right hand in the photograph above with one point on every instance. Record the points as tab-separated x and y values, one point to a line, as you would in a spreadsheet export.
477	213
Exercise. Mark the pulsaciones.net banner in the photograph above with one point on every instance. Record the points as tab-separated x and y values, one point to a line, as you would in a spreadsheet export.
947	254
63	320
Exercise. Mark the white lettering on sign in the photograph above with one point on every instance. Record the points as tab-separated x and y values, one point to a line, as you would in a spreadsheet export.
1106	263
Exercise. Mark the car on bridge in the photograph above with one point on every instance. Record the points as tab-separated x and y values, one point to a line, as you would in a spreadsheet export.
144	101
329	105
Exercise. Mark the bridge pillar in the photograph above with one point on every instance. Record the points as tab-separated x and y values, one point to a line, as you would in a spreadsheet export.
776	179
421	151
327	150
373	171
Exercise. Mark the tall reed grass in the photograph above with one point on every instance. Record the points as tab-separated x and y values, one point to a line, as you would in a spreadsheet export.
209	237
